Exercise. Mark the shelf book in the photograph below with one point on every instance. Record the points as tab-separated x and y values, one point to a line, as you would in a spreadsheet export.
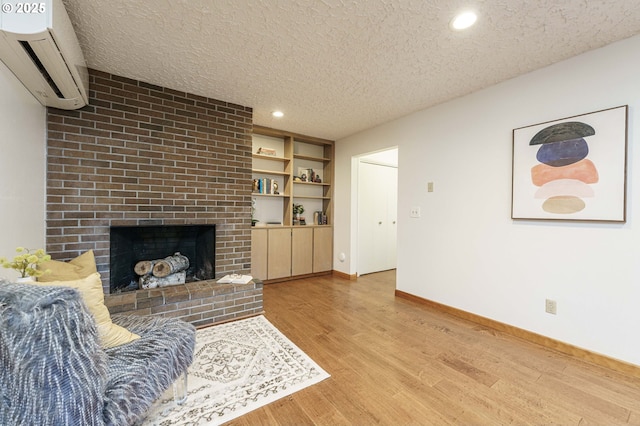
266	186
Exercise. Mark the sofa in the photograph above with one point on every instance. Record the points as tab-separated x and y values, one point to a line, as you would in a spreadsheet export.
54	370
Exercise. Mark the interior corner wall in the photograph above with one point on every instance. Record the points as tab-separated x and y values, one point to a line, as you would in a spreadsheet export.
471	255
22	168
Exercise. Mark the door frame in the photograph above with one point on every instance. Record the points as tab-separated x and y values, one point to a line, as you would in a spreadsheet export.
384	157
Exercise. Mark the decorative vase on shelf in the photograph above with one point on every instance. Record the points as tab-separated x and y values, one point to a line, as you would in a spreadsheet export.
25	280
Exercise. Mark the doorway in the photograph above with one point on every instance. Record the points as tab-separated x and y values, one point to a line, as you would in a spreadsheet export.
377	211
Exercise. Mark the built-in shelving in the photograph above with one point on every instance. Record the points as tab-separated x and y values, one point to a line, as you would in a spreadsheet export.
270	157
269	172
282	248
310	158
293	155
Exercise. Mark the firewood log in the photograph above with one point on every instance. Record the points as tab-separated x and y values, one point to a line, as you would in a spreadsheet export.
144	267
170	265
149	281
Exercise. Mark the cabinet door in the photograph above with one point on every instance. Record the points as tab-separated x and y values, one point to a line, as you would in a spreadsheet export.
259	253
279	259
322	249
301	251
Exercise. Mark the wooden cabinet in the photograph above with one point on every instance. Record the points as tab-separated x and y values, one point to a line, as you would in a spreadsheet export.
278	253
285	252
301	250
322	249
288	169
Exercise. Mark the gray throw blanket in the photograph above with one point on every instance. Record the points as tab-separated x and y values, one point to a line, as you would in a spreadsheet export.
54	372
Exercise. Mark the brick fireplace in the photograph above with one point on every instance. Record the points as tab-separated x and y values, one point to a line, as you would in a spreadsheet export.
132	244
141	154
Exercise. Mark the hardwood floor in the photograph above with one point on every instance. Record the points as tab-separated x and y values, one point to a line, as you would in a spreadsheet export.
395	362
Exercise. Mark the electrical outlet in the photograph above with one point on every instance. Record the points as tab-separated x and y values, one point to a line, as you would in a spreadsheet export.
415	212
550	306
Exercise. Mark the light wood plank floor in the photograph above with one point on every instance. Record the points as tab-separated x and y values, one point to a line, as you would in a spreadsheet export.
395	362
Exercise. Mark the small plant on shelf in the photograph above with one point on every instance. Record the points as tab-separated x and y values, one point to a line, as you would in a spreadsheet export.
298	209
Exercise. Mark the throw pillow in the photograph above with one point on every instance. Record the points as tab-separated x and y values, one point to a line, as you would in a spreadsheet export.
80	267
90	289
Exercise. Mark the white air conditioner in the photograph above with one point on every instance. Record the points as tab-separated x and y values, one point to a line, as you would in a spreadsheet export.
38	44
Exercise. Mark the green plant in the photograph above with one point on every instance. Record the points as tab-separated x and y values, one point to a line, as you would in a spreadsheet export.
26	262
298	209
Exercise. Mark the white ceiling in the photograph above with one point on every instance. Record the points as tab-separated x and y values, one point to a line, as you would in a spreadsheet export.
336	67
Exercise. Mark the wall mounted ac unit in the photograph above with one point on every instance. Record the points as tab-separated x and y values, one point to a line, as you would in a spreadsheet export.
38	44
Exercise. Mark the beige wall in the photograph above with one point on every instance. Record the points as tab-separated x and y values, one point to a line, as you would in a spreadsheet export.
22	168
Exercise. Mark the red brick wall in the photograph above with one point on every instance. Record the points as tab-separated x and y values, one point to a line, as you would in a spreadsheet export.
143	154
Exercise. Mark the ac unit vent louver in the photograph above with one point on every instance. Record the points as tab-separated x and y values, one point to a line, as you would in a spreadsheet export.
42	50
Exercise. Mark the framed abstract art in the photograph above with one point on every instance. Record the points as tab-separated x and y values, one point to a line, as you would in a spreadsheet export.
572	168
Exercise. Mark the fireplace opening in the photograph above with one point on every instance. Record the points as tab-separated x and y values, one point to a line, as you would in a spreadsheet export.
132	244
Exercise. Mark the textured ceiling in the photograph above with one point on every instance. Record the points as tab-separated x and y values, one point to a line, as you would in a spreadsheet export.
336	67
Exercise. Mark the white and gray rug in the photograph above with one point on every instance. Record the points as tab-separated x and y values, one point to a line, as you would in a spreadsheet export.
238	367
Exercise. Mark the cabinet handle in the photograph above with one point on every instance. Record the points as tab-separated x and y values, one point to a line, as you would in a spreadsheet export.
379	223
394	222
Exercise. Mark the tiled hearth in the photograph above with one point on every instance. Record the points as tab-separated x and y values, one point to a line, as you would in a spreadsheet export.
141	154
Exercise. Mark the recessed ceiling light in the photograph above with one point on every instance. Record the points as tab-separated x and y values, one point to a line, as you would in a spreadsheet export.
277	114
463	20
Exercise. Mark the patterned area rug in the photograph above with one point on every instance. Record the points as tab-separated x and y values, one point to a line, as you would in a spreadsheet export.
238	367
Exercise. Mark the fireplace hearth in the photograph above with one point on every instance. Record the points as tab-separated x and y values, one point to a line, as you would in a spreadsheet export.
132	244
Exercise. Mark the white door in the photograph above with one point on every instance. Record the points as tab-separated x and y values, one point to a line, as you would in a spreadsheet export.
377	217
